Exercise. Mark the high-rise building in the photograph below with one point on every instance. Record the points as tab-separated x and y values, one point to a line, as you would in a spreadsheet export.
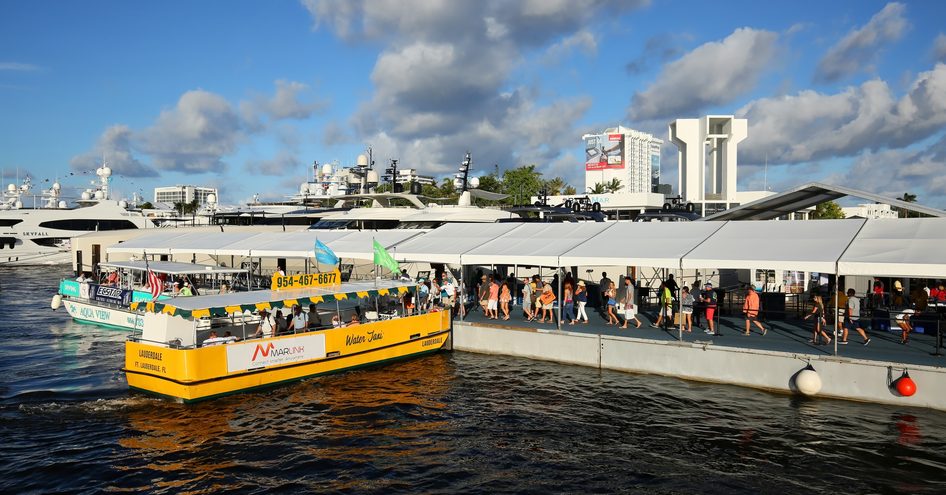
184	194
708	143
633	157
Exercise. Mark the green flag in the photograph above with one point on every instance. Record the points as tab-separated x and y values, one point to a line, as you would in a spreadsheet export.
381	257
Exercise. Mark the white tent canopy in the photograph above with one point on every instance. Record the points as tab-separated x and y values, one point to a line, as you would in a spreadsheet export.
360	244
909	247
157	243
538	244
809	245
901	247
447	243
654	244
208	242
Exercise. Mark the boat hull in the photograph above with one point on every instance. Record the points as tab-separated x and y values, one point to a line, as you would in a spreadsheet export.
196	374
107	316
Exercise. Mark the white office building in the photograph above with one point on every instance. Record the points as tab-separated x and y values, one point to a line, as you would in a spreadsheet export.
707	162
870	211
184	194
632	157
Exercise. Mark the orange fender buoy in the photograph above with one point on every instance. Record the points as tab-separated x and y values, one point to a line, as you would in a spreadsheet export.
905	385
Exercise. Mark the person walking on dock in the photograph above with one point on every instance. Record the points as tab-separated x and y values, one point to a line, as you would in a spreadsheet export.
527	298
603	287
581	300
504	297
610	298
686	302
546	299
708	298
852	318
751	309
627	301
569	298
817	310
492	301
665	313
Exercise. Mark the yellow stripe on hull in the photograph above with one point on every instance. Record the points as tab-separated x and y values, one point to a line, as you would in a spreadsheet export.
202	373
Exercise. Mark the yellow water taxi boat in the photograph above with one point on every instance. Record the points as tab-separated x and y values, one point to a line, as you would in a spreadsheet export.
198	348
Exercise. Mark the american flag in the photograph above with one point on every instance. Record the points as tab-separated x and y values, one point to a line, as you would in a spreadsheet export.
157	286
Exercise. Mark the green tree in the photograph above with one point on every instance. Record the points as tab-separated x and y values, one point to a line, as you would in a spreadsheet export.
614	186
909	198
521	183
146	206
555	185
490	183
599	188
827	210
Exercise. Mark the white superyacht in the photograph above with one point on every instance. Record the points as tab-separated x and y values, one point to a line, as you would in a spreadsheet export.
41	235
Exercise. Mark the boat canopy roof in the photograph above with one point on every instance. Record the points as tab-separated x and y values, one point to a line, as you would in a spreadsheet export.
170	267
238	302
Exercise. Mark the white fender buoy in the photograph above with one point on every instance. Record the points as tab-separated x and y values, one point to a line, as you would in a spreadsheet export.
807	381
56	302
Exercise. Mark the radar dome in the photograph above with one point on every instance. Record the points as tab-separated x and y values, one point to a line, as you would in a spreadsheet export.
362	161
11	188
56	186
457	183
86	195
211	198
99	195
18	204
62	205
372	177
106	171
475	182
98	171
327	169
123	204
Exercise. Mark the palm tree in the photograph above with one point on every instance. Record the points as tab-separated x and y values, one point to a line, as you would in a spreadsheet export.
599	188
614	186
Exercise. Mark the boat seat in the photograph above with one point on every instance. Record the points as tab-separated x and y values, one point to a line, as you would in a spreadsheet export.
371	315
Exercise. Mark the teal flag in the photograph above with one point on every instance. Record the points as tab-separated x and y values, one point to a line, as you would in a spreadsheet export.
324	254
381	257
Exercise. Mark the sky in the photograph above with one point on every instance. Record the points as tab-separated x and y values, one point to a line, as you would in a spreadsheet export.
244	95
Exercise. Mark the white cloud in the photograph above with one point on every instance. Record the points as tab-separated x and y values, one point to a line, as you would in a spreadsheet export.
894	172
114	147
195	135
19	67
939	48
282	164
442	80
202	129
858	49
714	73
583	41
286	103
811	125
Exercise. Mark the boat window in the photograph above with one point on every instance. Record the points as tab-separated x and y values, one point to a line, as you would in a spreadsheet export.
7	241
88	224
9	222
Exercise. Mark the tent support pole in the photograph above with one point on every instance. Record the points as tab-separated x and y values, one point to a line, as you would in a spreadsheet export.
680	308
515	286
461	299
837	301
561	295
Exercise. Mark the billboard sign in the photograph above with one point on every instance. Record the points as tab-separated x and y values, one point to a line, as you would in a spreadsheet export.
604	151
